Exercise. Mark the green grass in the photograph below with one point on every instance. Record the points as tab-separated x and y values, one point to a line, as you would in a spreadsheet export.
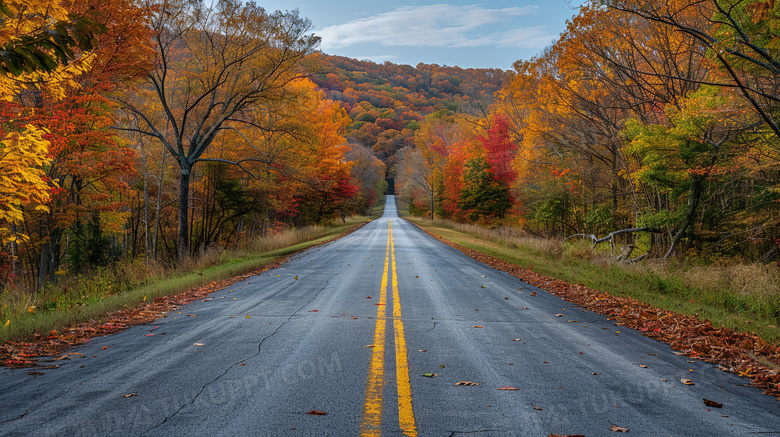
84	299
741	297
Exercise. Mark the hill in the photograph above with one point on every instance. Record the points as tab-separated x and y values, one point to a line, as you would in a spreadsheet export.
386	102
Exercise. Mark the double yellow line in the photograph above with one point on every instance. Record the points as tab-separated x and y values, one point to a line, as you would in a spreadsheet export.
372	409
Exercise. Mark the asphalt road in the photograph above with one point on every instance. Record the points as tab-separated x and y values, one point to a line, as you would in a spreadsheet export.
309	336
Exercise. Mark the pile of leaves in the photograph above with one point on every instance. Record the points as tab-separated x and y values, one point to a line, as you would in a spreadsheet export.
744	354
27	353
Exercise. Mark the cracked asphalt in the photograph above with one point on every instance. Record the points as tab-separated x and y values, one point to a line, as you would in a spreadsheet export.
261	354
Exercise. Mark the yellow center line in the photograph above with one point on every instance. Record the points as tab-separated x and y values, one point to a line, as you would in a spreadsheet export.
405	411
372	409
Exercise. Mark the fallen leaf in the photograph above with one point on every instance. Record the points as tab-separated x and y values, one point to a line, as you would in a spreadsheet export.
477	326
369	345
131	395
467	383
483	286
616	428
317	413
650	353
574	321
313	311
526	308
197	344
429	375
559	315
104	348
595	373
247	316
713	404
506	298
508	388
379	303
533	293
686	381
368	297
537	408
515	339
296	277
423	350
149	335
35	373
8	322
643	366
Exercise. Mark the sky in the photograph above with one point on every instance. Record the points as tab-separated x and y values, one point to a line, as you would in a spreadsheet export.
467	34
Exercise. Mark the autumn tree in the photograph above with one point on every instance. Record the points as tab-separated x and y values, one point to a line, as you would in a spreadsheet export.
211	65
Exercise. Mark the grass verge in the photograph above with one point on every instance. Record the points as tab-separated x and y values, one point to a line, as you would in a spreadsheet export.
27	316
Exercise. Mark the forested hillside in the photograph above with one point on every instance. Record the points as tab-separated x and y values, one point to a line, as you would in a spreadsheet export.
387	102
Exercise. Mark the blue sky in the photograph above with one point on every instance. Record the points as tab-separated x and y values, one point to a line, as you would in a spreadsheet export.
467	34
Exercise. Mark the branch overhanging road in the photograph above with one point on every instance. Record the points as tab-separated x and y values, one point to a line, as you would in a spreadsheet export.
306	337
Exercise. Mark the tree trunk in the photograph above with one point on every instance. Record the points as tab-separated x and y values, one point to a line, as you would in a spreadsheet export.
184	203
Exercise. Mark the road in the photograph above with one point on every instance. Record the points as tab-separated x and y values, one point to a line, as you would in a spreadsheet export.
349	328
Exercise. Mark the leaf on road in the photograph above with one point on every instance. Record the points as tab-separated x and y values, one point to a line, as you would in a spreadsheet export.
104	348
198	344
595	373
317	413
714	404
574	321
467	383
643	366
559	315
131	395
149	335
537	408
296	277
686	381
369	345
478	326
650	353
368	297
506	298
516	339
616	428
247	316
313	311
35	373
483	286
429	375
379	303
423	350
533	293
508	388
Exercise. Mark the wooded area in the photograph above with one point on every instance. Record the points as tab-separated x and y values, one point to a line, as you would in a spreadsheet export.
157	130
657	120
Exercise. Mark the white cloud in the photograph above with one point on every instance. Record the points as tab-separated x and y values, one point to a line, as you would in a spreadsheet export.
440	25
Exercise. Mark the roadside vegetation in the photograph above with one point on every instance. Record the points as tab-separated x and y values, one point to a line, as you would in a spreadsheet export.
744	297
87	297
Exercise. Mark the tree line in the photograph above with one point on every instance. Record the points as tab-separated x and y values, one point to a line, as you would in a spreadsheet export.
157	129
650	121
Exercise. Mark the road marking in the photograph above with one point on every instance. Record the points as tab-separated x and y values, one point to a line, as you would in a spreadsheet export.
405	411
372	409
